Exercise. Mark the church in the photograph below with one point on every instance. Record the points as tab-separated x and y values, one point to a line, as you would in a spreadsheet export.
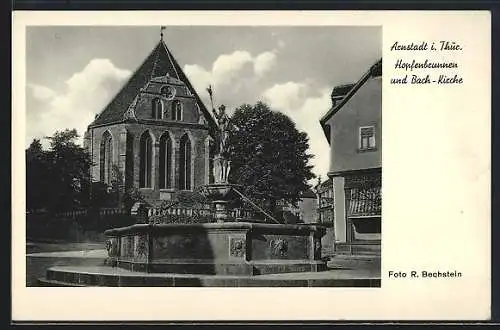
155	134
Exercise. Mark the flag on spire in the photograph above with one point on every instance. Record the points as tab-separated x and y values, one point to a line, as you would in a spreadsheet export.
209	90
162	28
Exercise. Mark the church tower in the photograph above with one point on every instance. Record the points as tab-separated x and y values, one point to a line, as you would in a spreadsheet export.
155	134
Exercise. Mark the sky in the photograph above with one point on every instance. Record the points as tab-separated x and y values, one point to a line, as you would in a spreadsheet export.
72	72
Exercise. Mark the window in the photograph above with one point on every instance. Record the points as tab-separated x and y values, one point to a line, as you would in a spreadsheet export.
367	138
168	92
185	163
164	91
106	158
157	109
363	194
176	110
165	162
146	153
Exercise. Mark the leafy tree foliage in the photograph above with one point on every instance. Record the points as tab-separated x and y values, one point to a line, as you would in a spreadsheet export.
37	183
269	155
57	179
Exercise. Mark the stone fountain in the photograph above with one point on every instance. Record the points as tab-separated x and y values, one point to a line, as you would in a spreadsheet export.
224	247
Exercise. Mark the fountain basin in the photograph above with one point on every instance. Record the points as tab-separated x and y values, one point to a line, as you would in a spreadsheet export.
220	191
228	248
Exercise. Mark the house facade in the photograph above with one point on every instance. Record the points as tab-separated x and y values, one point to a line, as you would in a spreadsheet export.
324	192
155	134
324	214
303	212
353	128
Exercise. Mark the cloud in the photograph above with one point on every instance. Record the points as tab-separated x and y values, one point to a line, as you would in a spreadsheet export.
286	97
232	72
41	93
86	93
227	66
264	62
199	77
305	107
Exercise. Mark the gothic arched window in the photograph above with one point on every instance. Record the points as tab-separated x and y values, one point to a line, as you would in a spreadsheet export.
157	109
146	157
165	162
176	110
185	163
106	158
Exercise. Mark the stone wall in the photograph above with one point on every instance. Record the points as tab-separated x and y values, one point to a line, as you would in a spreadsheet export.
126	146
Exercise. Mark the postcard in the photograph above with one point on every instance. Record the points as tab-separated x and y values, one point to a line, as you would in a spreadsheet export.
229	165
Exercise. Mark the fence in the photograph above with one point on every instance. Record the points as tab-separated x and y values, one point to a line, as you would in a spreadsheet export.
204	211
100	212
239	213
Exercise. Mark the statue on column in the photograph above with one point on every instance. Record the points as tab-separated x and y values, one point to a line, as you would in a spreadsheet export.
222	164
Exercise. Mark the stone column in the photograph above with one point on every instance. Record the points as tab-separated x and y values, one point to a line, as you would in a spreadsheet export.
207	160
122	158
155	174
339	211
94	154
221	210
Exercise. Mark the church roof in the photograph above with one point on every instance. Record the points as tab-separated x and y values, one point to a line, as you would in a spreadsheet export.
159	66
167	80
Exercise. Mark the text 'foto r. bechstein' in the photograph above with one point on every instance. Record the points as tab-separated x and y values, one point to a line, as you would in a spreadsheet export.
262	170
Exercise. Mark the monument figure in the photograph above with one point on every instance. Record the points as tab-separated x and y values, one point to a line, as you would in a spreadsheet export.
222	164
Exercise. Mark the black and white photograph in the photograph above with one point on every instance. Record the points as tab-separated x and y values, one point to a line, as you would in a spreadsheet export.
227	166
203	156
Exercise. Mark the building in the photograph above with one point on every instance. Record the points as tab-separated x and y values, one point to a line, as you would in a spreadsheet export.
324	192
303	212
324	214
155	134
353	128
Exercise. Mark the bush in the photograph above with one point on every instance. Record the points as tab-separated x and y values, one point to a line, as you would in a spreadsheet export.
46	227
99	223
81	228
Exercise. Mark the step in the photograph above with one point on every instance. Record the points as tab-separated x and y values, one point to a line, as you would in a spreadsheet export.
53	283
358	249
113	277
354	262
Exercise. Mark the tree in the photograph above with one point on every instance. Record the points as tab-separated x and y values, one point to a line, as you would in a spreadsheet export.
58	178
269	155
37	185
70	170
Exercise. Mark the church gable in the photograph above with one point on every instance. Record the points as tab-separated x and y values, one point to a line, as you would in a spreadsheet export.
166	99
138	93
